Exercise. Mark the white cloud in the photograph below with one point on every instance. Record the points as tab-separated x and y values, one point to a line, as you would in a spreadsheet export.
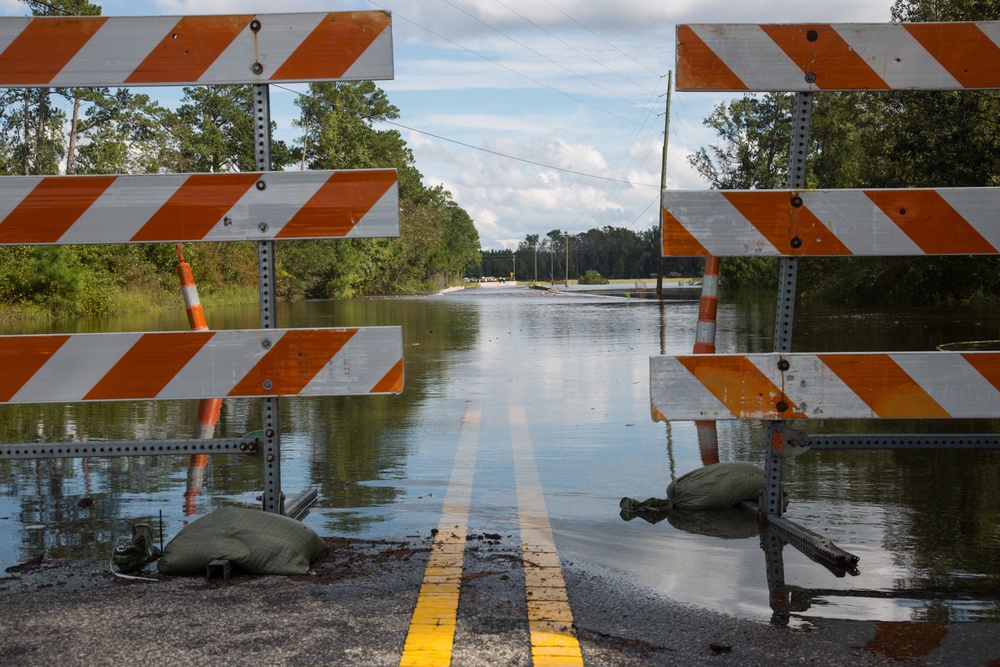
569	85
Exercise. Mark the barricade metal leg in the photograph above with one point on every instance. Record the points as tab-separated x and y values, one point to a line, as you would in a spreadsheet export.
265	275
772	546
784	318
771	503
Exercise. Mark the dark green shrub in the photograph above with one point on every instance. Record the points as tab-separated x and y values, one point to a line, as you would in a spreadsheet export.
592	277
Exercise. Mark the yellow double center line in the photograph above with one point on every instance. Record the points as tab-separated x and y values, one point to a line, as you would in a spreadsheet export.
550	619
431	635
432	628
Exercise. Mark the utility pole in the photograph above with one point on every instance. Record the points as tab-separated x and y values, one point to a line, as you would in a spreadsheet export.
536	261
566	234
663	186
552	264
305	144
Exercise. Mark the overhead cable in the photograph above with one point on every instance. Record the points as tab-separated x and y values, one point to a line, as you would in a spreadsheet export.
475	148
501	65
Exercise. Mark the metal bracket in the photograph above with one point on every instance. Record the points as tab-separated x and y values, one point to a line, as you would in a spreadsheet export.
298	507
813	545
116	448
906	441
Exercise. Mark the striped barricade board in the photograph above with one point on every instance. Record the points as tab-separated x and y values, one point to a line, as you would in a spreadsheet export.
735	223
839	57
896	385
201	364
96	51
255	206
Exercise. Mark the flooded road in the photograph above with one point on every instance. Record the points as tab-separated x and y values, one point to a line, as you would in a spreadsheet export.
570	374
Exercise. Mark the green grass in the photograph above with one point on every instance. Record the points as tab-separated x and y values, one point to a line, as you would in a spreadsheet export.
112	301
230	296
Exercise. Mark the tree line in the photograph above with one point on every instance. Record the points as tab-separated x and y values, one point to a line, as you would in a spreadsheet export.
898	139
613	252
117	131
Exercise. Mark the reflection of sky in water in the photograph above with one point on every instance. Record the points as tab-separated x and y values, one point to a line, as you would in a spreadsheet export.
580	367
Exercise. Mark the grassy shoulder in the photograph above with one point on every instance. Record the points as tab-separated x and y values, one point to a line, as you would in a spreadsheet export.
666	281
135	300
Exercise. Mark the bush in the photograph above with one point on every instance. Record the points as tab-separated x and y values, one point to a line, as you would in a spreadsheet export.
592	277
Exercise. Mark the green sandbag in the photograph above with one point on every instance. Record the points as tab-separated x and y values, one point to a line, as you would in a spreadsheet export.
716	485
255	541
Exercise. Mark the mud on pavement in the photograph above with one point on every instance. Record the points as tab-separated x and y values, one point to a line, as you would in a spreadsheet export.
355	607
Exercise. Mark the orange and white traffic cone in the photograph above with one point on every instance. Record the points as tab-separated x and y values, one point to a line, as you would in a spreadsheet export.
708	308
195	313
704	343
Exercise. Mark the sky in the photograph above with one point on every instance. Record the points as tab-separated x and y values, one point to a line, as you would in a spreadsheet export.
536	115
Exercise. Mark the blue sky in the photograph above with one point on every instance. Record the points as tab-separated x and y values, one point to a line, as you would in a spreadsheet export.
536	114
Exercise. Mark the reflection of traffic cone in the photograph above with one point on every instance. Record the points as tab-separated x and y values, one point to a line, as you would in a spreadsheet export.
208	408
208	417
708	442
195	478
704	343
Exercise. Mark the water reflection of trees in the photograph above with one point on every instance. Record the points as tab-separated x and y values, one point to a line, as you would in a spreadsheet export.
937	510
942	508
349	441
956	513
72	508
360	439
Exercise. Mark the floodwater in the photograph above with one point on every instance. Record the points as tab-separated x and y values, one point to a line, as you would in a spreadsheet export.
926	525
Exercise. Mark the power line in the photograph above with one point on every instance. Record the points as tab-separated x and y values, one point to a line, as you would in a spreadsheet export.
686	125
612	189
612	193
582	53
501	65
467	145
599	37
643	212
537	53
615	184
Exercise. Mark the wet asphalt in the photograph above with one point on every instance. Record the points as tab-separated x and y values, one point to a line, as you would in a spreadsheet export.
355	607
